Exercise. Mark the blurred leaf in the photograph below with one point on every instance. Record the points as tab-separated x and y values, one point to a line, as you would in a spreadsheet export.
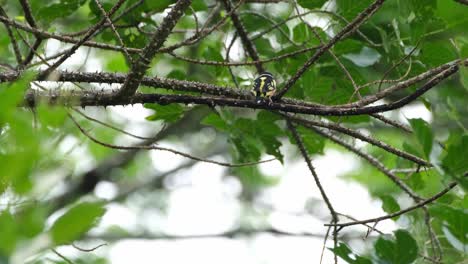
247	147
403	250
158	6
313	143
454	224
32	220
215	121
252	179
19	146
51	116
167	113
63	8
301	33
199	5
423	135
11	95
311	4
437	53
350	8
76	221
389	204
347	255
116	63
464	70
347	46
267	131
457	151
8	230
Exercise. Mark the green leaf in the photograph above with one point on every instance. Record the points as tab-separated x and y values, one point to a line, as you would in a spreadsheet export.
51	116
455	162
215	121
464	69
19	145
159	5
8	230
300	33
199	5
402	250
454	224
268	132
423	135
311	4
347	255
350	8
11	95
64	8
167	113
116	63
247	147
389	204
313	143
437	53
76	221
32	220
348	46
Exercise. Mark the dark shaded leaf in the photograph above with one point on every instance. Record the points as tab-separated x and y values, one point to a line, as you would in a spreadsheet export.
402	250
311	4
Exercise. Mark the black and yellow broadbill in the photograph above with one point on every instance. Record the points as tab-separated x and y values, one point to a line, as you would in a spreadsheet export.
264	87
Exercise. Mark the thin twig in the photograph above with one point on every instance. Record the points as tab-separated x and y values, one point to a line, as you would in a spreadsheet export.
116	33
346	31
152	147
88	249
109	125
67	260
300	145
401	212
16	49
142	64
86	37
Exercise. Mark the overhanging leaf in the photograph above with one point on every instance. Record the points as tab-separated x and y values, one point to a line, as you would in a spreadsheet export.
455	220
423	135
343	251
311	4
167	113
402	250
76	221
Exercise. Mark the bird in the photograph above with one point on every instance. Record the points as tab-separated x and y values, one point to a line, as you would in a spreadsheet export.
264	87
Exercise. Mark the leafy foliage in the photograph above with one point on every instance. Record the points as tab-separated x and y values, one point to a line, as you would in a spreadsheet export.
76	221
402	250
47	164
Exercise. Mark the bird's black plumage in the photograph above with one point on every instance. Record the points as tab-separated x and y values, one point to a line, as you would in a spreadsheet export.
264	86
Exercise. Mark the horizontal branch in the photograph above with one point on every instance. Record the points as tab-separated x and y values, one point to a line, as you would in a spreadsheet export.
229	234
93	98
